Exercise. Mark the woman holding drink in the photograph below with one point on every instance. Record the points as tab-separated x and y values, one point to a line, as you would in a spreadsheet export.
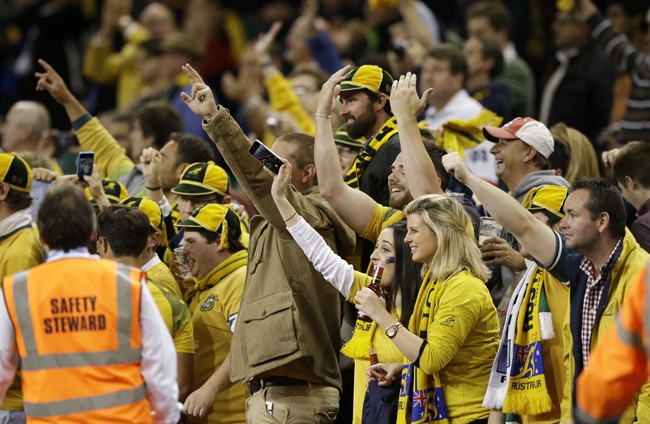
399	283
452	336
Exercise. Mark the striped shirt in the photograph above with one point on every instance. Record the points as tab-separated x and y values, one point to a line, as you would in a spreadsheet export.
627	59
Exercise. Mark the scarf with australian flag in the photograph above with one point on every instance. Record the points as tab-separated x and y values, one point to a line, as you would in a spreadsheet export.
517	382
420	393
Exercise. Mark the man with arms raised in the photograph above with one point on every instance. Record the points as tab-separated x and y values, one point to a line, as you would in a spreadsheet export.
286	342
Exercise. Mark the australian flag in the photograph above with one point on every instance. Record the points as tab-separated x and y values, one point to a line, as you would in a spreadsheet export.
428	405
527	361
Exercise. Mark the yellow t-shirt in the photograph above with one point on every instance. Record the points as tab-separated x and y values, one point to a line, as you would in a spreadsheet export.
176	315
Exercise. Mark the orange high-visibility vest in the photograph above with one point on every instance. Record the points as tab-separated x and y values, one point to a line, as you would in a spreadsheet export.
77	324
619	366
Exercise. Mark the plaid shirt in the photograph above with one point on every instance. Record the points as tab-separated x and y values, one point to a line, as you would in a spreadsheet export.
593	293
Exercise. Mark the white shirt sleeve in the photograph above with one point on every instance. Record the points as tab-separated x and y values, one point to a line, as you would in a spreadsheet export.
336	270
158	365
9	358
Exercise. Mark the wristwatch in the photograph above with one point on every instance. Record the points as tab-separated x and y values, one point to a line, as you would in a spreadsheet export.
391	330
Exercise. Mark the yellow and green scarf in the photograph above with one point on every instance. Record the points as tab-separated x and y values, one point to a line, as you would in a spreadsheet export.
421	395
358	347
368	152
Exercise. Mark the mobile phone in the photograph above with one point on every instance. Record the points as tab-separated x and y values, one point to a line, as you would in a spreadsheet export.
380	377
266	157
85	162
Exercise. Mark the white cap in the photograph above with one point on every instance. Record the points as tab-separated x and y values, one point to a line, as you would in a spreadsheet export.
528	130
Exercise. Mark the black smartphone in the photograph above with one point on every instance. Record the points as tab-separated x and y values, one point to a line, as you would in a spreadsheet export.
266	157
85	162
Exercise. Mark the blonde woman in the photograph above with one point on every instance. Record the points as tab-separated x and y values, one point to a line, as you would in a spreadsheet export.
453	333
583	161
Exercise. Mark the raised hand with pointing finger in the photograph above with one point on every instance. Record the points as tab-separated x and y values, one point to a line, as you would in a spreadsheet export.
201	101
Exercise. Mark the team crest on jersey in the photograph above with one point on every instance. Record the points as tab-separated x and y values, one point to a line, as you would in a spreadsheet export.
209	303
449	321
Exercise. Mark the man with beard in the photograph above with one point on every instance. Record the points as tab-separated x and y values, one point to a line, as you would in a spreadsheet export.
417	170
366	110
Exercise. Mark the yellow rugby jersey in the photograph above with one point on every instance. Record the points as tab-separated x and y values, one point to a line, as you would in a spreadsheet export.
19	250
176	316
214	307
161	274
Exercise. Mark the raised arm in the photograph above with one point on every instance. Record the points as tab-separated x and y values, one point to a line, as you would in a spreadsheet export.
51	81
420	172
336	270
354	206
234	145
281	93
537	238
110	158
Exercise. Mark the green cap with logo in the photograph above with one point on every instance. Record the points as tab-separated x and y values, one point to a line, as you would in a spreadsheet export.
202	178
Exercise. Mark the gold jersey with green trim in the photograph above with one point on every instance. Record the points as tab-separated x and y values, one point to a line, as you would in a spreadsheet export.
176	315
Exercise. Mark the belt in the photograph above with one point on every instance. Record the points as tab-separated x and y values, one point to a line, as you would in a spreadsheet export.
257	385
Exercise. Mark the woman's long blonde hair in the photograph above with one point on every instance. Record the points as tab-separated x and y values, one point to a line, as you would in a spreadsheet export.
583	160
457	247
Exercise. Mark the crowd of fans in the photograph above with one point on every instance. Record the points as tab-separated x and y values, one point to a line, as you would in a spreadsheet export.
179	279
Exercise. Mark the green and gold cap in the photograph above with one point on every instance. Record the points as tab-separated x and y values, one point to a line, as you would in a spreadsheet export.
341	137
202	178
550	198
115	192
152	210
371	77
214	217
15	172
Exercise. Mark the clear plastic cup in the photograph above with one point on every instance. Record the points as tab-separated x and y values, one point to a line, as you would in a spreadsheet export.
488	228
184	263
